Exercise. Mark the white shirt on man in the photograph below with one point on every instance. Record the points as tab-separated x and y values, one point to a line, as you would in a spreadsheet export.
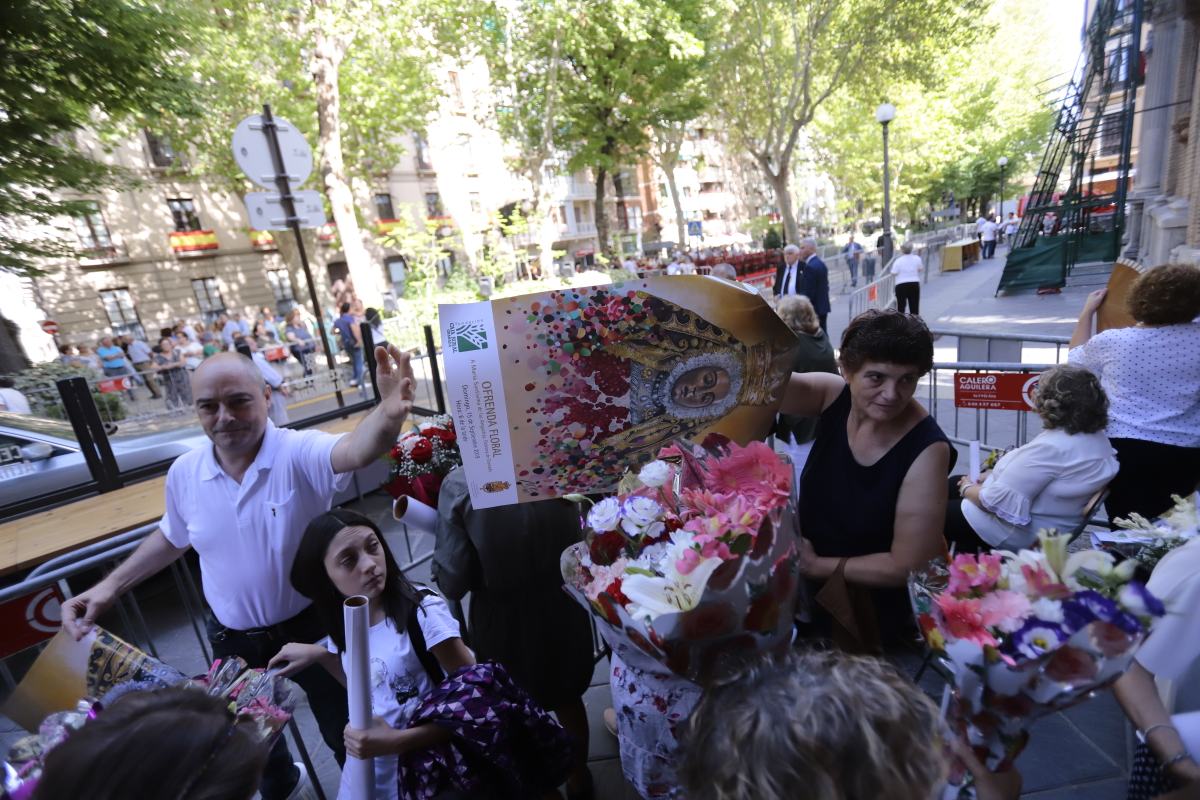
907	268
791	278
140	352
1152	379
1043	484
979	224
246	534
13	401
988	231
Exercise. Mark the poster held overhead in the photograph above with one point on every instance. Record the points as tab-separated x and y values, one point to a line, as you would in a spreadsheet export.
558	392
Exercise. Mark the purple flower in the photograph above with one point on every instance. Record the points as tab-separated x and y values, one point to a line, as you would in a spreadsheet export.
1128	623
1138	600
1036	638
1087	606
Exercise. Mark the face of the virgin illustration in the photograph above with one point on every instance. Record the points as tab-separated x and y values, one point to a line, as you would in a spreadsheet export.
701	387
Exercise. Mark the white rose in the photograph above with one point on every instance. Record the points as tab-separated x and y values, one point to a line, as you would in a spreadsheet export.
655	474
637	513
605	515
1047	610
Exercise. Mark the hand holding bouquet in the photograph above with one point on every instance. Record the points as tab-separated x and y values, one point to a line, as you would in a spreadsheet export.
1025	634
421	459
698	566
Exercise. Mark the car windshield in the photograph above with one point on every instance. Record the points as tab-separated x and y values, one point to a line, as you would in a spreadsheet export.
39	426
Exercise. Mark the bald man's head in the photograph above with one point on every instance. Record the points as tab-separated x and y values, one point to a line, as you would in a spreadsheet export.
231	402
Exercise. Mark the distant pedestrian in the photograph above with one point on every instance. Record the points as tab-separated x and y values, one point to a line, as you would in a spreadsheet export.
347	327
300	339
987	235
1011	225
907	269
815	278
725	271
375	321
143	364
172	371
114	362
853	252
979	228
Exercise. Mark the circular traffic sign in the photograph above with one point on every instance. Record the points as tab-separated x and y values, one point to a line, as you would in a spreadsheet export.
253	153
49	326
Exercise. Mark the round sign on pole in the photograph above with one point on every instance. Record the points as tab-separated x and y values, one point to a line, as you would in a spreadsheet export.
253	154
49	326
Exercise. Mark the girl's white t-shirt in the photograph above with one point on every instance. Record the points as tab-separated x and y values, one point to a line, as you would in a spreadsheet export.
398	681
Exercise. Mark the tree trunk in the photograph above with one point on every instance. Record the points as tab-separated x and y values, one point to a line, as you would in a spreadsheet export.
783	199
680	222
326	60
12	354
601	213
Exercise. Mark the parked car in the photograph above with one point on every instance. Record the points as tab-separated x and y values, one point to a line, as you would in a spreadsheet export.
39	457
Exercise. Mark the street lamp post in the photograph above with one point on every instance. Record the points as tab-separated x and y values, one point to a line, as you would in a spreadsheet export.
1002	162
883	115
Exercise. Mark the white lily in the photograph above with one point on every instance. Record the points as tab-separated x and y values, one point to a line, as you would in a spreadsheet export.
654	596
1095	561
1054	547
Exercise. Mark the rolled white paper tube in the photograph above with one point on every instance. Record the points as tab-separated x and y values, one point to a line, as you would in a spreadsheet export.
974	462
415	514
356	616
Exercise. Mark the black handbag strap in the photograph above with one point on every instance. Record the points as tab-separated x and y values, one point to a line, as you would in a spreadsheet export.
432	668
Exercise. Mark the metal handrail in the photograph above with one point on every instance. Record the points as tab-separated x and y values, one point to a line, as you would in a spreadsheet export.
993	366
1009	337
54	576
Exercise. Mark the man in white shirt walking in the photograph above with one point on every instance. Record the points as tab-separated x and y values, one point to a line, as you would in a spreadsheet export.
243	505
142	358
987	235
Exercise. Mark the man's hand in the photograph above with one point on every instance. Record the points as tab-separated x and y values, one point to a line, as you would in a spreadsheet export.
394	378
80	612
296	656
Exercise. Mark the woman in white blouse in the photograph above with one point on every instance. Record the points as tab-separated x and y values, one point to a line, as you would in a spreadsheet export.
1046	483
907	269
1151	372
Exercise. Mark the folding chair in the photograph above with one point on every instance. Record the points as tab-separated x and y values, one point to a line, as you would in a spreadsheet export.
1089	511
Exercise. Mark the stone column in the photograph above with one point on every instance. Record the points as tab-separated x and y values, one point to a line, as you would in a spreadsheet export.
1191	190
1157	94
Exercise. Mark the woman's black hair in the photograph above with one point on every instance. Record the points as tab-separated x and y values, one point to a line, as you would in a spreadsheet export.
310	578
165	744
887	336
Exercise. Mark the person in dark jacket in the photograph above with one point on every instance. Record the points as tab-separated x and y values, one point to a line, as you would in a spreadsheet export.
508	559
816	279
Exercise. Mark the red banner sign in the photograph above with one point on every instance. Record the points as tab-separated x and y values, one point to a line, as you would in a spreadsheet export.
121	384
276	353
1006	391
30	619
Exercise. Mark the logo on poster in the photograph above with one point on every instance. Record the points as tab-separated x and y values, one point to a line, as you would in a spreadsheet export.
467	336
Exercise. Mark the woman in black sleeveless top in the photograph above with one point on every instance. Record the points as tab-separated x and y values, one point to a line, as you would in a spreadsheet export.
872	494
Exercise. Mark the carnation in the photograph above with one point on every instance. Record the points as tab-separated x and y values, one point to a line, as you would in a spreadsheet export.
655	474
605	515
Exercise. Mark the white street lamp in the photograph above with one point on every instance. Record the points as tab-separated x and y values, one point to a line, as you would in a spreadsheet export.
883	115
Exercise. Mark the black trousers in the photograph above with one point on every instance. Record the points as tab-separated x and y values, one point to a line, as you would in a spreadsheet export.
958	530
1149	474
989	249
326	697
908	297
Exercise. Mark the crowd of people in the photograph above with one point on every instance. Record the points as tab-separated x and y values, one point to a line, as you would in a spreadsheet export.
830	719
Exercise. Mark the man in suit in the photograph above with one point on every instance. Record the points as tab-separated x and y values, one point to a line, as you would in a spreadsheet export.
815	279
788	275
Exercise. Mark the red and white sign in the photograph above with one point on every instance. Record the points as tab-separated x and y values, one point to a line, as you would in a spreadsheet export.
1005	391
30	619
276	353
49	326
121	384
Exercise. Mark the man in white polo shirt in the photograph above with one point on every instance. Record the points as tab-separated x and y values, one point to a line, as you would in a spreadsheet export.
243	505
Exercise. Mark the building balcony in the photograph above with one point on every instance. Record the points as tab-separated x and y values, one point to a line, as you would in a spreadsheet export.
102	256
263	241
185	243
385	226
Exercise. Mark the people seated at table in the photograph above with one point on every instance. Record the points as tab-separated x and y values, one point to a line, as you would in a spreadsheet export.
1151	372
873	486
1047	483
822	725
1167	755
157	745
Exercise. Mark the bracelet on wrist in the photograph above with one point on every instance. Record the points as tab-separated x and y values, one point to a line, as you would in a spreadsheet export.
1183	755
1144	734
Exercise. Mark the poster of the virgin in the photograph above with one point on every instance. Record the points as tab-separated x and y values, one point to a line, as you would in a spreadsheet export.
562	391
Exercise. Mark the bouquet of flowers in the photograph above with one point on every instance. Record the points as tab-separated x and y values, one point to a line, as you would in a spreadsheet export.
260	699
698	565
421	458
1022	635
1147	541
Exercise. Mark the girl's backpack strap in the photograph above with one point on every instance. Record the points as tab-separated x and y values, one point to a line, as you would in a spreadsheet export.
432	668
